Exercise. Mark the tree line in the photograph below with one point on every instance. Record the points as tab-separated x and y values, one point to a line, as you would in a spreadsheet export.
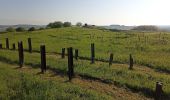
56	24
22	29
59	24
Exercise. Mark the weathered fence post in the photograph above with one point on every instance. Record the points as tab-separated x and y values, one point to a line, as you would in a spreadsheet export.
7	43
130	62
0	46
111	59
18	45
43	58
76	54
70	63
21	54
158	91
29	45
13	46
63	53
92	53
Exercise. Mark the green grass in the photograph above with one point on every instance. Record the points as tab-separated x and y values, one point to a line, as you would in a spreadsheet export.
152	49
17	85
141	79
148	49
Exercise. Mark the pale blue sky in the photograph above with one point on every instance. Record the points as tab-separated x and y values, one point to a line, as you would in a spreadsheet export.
99	12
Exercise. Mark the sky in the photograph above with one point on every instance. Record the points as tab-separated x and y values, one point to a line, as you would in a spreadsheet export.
97	12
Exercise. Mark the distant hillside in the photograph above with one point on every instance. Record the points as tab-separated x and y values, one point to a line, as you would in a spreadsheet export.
165	27
3	27
123	27
118	27
146	28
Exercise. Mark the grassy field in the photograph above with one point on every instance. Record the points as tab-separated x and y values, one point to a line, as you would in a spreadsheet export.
18	85
27	83
151	52
149	49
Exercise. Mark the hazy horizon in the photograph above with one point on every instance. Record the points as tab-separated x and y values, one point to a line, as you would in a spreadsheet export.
103	12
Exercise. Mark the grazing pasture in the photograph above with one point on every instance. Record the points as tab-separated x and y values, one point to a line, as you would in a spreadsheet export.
150	52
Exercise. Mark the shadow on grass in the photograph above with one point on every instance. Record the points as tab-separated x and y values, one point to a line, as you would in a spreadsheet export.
158	68
146	91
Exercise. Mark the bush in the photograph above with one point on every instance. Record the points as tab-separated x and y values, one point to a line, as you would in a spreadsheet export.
67	24
32	29
57	24
20	29
79	24
10	29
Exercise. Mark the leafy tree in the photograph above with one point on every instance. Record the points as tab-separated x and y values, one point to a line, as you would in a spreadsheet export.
79	24
67	24
32	29
50	25
57	24
86	25
10	29
20	29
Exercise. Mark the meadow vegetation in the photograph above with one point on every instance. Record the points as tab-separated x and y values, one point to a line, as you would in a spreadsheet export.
150	50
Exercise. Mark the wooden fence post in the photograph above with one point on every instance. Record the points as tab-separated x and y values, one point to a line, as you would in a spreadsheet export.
21	54
76	54
130	62
111	59
18	45
7	43
29	45
70	63
0	46
63	53
13	46
43	58
158	91
92	53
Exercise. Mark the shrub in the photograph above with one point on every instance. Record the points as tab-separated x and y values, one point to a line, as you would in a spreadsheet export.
20	29
10	29
57	24
67	24
79	24
32	29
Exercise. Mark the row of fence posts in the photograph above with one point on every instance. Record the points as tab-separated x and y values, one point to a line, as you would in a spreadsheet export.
14	46
20	49
158	91
76	52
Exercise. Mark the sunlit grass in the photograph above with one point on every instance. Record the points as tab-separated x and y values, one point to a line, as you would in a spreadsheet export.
140	79
149	49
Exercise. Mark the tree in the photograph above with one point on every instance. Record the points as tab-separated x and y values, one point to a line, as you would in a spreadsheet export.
10	29
20	29
57	24
49	25
32	29
79	24
85	25
67	24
